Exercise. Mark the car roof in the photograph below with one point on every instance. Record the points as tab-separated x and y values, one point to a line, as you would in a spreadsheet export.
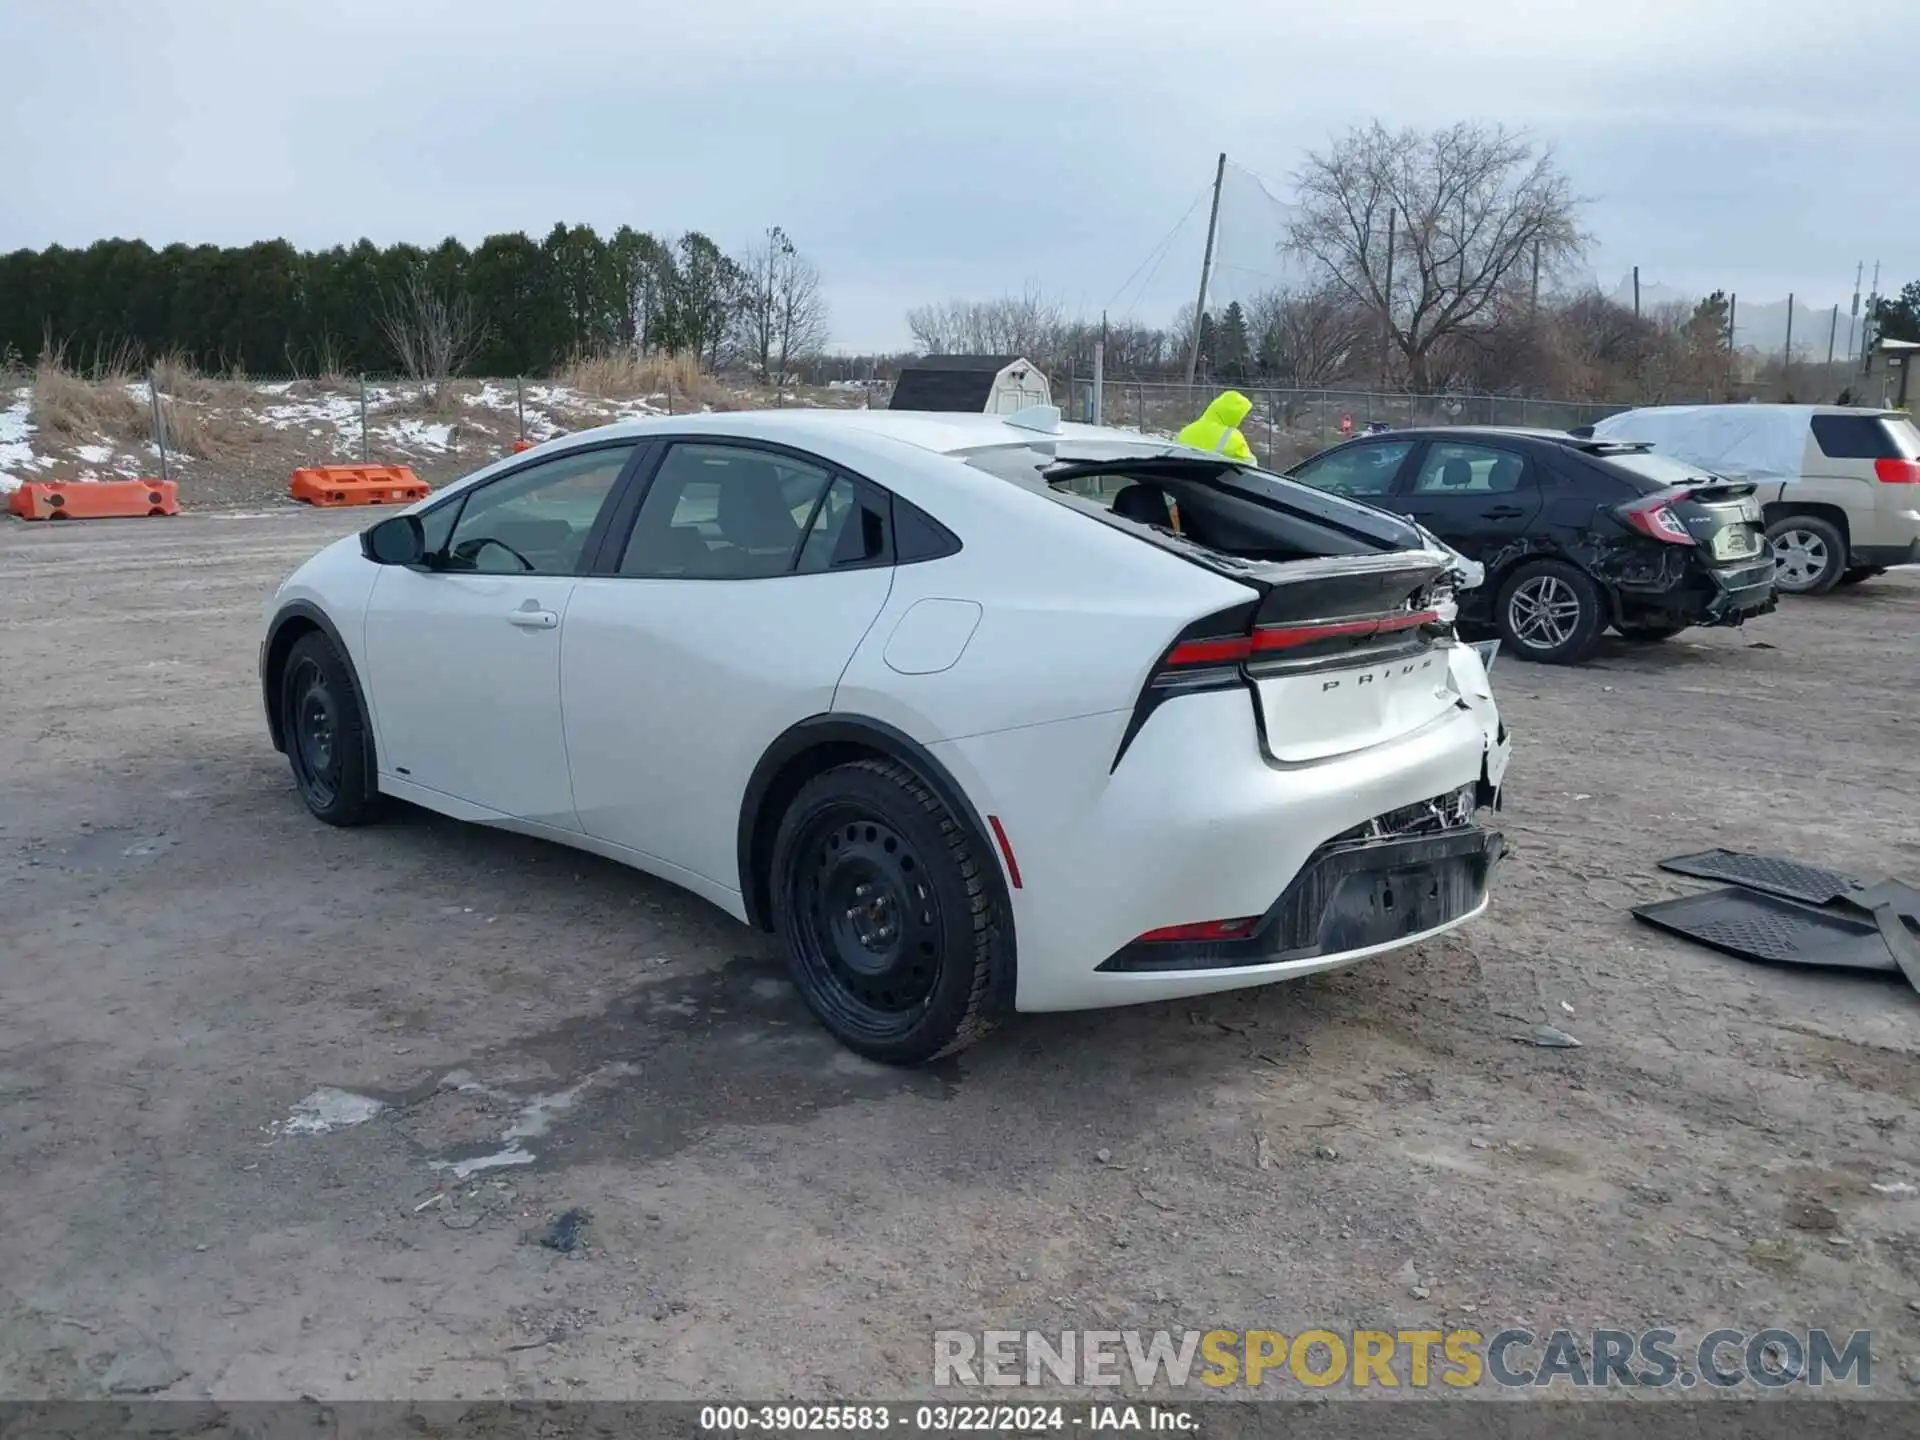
938	432
1758	409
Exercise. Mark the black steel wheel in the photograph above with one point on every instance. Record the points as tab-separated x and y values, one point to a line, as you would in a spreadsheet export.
324	730
891	926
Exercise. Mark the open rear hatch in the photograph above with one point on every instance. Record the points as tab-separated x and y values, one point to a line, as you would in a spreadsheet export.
1344	646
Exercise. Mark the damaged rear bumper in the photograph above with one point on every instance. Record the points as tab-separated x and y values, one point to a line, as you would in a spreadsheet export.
1729	595
1352	899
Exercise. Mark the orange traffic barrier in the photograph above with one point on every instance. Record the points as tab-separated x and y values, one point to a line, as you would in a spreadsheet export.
357	485
520	445
94	499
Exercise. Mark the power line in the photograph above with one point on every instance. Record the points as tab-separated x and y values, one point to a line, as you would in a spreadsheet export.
1156	257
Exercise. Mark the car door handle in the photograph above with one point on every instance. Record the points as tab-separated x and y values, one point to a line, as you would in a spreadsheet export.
1504	512
533	619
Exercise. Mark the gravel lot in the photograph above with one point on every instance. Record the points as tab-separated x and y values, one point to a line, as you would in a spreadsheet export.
185	957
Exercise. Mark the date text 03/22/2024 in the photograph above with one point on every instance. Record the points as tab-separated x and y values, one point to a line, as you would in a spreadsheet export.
943	1419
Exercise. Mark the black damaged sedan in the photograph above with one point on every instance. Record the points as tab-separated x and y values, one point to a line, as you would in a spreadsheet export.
1576	535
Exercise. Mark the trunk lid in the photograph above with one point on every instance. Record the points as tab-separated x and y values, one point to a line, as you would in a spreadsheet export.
1339	654
1724	520
1350	657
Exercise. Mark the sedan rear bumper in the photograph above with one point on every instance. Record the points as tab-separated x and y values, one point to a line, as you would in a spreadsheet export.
1351	899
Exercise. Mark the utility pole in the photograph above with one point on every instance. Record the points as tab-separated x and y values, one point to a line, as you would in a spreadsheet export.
1386	307
1786	360
1636	292
1733	316
1099	370
1833	333
1535	302
1866	329
1206	268
1854	313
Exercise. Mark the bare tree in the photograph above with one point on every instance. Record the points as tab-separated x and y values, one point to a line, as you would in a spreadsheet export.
434	336
1030	324
1471	209
1309	338
783	316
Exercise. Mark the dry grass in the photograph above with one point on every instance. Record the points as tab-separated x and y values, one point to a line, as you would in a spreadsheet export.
194	430
103	405
179	380
80	409
622	375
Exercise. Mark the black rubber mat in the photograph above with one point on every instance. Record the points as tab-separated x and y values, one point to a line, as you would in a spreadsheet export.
1766	872
1757	926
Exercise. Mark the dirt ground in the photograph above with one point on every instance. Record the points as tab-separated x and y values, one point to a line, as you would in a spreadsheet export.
186	960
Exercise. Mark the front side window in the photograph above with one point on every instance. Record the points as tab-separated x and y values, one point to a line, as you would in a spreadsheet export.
532	521
1468	470
729	512
1356	469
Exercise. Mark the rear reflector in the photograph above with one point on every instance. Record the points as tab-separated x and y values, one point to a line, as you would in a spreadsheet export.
1897	472
1204	930
1232	649
1006	850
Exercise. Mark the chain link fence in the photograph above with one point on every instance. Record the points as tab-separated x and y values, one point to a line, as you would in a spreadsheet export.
1286	425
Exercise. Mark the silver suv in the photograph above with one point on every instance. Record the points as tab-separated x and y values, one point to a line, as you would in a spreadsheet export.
1840	487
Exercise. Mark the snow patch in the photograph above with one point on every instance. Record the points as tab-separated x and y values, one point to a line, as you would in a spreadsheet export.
328	1109
94	454
418	434
16	449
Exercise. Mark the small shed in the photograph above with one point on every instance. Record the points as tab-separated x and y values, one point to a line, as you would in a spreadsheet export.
975	384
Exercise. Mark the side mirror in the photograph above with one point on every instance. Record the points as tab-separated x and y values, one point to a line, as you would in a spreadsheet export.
401	540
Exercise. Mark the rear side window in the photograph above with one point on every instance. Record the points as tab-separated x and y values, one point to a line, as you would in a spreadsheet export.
1866	437
723	512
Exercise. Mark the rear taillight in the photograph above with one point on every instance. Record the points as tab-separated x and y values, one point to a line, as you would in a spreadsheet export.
1266	639
1209	654
1202	931
1897	472
1654	517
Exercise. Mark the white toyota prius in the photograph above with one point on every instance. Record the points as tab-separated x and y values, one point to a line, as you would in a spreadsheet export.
977	713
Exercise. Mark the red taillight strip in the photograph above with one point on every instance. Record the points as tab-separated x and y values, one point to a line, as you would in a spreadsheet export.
1006	850
1897	472
1232	649
1203	930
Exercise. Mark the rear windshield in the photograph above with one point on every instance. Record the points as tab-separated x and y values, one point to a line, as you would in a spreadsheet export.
1648	472
1866	437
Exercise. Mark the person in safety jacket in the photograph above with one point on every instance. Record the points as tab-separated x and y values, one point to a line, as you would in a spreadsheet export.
1218	430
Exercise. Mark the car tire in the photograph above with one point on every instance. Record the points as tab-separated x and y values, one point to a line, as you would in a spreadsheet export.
887	912
1809	554
1552	612
1861	572
325	730
1648	634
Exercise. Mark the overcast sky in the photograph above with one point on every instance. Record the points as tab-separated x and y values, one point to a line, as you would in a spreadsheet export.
920	150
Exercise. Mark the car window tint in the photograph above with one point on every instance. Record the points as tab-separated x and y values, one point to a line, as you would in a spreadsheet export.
1356	469
534	520
1866	437
724	512
1453	469
821	549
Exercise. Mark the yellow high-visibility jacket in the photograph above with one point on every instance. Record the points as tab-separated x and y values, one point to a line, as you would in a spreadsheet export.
1218	429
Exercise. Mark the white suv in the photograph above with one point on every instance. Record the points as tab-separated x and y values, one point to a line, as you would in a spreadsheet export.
1840	487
